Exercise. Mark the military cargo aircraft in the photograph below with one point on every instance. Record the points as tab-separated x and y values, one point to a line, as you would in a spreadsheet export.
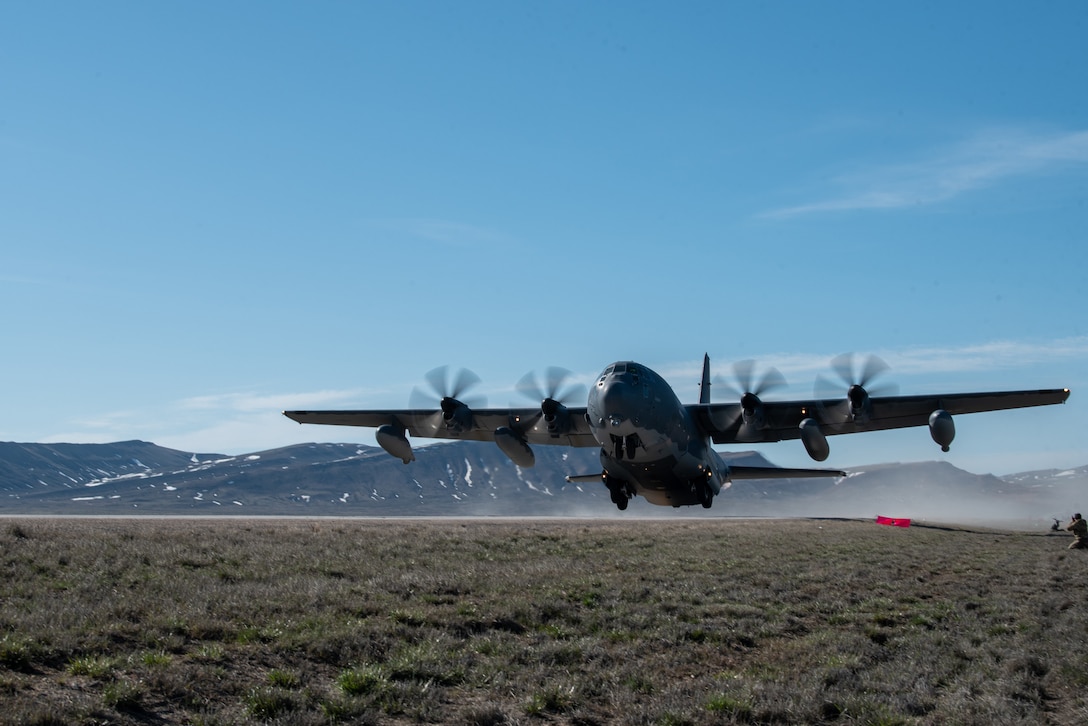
657	447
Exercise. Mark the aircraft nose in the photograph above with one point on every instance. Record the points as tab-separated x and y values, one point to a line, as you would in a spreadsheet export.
618	404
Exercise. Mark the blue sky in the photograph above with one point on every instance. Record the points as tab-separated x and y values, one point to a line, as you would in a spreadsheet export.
211	212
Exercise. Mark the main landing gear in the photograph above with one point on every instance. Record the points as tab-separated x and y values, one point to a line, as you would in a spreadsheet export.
620	491
703	493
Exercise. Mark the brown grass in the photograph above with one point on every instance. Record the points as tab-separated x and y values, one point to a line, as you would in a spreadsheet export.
546	621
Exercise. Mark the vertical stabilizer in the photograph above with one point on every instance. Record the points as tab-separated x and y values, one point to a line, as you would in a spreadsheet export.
704	387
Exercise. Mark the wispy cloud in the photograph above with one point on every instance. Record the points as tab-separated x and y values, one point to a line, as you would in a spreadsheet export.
228	423
993	356
975	358
247	402
240	422
986	159
924	362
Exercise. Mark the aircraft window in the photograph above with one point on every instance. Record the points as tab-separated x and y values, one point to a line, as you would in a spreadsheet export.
621	368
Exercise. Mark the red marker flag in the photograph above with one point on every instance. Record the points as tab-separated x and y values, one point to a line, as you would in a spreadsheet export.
893	521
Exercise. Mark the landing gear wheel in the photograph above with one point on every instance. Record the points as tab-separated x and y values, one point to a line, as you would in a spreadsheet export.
619	491
620	498
703	493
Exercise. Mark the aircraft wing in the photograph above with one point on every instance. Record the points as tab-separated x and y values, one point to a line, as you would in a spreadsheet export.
481	426
780	420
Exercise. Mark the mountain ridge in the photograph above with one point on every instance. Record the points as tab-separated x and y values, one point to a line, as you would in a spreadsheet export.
474	479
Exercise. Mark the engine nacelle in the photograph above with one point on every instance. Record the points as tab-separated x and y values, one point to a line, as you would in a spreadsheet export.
393	440
942	428
456	415
860	407
814	440
751	411
555	415
514	447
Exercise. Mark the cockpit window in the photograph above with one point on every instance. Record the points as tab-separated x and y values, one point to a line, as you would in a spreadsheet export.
620	368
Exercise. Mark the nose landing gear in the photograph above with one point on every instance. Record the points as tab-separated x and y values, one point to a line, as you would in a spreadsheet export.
628	444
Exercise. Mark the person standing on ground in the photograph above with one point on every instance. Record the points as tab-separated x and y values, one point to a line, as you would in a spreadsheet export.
1079	528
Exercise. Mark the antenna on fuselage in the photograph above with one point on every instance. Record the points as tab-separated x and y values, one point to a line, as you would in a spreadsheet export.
704	387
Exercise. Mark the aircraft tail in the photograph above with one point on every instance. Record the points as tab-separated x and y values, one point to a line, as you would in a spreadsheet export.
704	387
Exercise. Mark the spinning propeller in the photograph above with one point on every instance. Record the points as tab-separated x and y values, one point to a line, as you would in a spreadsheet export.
553	396
749	396
857	407
447	393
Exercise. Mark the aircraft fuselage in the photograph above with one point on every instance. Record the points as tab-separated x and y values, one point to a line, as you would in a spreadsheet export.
650	444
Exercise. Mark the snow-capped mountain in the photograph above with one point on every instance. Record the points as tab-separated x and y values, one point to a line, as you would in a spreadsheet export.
471	478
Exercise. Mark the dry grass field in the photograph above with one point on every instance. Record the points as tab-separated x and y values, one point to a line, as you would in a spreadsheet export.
694	621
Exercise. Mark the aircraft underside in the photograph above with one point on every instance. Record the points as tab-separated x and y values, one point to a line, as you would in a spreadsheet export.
666	482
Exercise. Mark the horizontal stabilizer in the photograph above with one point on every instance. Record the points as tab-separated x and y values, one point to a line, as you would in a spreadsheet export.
774	472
